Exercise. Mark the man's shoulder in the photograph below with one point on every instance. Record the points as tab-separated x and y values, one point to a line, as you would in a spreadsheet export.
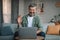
37	16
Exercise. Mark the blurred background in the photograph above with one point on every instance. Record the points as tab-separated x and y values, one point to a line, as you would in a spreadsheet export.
10	9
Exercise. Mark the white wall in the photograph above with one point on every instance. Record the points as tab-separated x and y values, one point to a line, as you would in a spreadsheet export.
50	9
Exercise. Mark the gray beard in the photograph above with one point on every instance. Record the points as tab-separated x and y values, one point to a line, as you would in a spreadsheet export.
31	15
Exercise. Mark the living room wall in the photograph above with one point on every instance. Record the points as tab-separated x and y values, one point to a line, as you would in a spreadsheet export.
50	10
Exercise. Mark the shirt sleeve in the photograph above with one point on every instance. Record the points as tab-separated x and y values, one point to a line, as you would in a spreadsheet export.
39	24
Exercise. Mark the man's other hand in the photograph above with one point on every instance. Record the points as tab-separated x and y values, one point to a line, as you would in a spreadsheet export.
38	31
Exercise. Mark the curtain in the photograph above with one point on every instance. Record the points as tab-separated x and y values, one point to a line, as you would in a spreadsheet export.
14	10
1	16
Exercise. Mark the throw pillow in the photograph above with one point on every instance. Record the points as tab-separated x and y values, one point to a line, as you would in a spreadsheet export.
53	30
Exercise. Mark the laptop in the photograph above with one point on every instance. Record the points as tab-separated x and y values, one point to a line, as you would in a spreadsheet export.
27	33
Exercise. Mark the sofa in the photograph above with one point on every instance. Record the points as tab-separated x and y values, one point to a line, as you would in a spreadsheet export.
12	28
53	32
7	31
50	36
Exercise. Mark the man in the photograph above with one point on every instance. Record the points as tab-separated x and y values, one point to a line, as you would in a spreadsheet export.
32	20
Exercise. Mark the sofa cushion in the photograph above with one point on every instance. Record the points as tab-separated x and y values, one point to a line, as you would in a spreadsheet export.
6	37
53	30
13	27
6	31
44	27
52	37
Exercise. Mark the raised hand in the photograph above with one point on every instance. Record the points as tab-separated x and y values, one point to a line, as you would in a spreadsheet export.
19	19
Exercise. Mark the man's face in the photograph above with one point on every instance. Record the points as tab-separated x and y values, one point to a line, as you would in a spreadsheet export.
32	10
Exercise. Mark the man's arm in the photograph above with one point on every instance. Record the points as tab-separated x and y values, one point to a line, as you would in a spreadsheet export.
39	26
